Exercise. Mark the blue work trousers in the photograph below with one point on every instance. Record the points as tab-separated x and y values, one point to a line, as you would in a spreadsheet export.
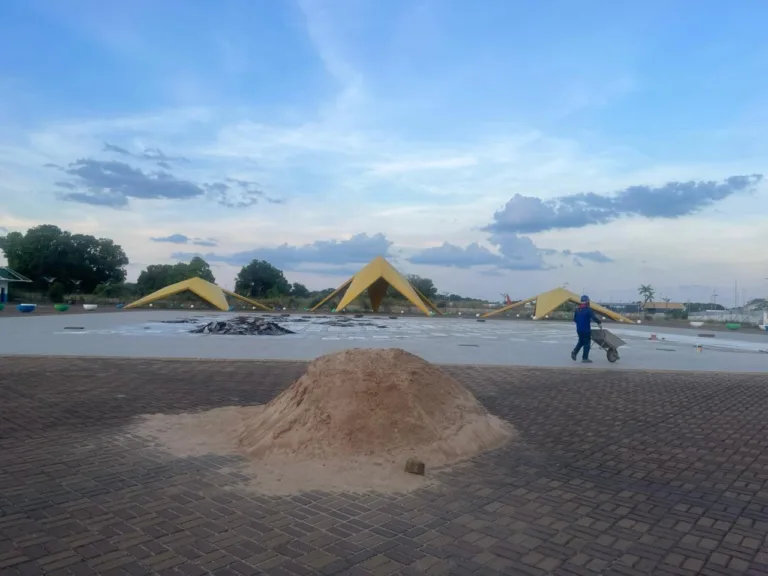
585	342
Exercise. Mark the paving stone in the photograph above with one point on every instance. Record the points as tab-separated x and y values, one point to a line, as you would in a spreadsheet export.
693	564
621	472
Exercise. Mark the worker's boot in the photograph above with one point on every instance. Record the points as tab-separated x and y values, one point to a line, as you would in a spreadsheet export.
586	361
573	355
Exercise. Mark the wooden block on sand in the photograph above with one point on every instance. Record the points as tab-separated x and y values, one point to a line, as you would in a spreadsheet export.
413	466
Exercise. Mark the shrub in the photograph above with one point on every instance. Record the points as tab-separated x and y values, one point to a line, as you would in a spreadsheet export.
56	293
677	315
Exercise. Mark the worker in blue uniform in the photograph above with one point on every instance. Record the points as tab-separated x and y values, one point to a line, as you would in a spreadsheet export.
583	317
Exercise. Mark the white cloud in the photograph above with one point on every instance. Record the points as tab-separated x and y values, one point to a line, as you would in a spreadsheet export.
370	183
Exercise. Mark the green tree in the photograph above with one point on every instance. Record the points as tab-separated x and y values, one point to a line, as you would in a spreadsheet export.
273	292
424	285
318	295
126	290
647	292
299	290
694	307
154	277
259	278
198	267
56	292
157	276
48	251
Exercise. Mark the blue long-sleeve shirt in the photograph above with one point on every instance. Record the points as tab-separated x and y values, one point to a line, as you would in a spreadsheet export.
583	317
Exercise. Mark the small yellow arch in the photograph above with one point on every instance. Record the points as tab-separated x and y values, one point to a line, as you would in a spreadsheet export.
211	293
546	302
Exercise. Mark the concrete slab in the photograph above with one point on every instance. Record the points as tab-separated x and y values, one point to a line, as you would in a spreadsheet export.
439	340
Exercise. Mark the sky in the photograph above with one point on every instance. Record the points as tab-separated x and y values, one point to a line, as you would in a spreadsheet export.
495	147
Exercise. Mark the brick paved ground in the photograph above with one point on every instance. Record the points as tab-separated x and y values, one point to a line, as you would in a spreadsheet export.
618	473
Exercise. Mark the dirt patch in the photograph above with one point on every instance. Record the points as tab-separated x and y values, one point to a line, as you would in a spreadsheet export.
350	423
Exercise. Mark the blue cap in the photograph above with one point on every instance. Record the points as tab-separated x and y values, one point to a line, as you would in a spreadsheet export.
585	298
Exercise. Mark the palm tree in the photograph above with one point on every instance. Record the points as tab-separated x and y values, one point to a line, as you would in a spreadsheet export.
647	292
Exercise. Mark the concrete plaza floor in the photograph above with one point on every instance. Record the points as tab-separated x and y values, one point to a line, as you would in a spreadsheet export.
440	340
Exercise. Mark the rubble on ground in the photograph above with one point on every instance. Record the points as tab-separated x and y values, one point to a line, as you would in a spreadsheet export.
242	326
246	325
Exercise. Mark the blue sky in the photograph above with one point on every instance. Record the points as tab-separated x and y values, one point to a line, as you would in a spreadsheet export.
494	147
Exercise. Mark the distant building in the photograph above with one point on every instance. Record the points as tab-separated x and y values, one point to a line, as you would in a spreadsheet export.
662	307
6	277
622	307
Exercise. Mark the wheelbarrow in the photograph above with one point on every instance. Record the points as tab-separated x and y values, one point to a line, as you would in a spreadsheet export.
608	341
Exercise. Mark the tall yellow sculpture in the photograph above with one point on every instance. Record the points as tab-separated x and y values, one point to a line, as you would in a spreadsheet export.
376	277
211	293
549	301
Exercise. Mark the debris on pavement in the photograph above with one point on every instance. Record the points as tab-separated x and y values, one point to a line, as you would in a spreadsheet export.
242	326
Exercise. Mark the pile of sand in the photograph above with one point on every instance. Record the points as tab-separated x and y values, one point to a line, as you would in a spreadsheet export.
350	422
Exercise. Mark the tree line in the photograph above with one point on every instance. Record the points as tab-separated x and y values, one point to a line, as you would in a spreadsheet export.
60	263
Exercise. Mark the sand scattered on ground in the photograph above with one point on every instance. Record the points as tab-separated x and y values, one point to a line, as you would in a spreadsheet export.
350	423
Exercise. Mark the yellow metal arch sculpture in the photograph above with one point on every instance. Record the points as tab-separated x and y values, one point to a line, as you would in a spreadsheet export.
549	301
211	293
246	300
376	277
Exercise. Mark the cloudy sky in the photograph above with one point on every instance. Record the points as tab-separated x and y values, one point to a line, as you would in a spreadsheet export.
494	147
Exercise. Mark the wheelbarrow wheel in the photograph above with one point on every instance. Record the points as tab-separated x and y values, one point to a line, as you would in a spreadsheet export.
612	355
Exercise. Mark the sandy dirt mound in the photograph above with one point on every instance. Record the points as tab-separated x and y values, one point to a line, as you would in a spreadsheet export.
349	423
374	403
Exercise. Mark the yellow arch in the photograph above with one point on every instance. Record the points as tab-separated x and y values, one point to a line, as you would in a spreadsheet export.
332	294
207	291
376	277
246	300
549	301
